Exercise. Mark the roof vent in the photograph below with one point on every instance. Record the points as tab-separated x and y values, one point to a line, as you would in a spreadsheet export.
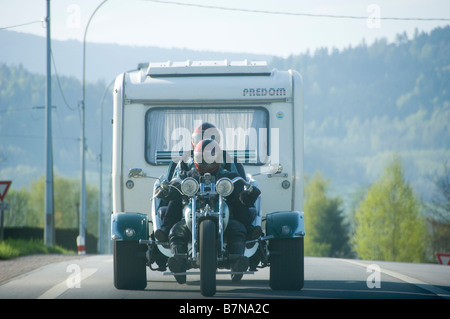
211	68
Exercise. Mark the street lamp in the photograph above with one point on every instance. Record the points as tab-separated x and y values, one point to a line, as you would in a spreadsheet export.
82	235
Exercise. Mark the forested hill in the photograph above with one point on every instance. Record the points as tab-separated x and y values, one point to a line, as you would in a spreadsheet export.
366	102
362	104
392	79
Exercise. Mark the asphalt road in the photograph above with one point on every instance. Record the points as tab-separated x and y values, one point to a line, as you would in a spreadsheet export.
325	278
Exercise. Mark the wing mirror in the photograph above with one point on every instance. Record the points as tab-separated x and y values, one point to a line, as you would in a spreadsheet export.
270	169
138	173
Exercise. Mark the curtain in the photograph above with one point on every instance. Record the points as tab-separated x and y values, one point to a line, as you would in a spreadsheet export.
242	129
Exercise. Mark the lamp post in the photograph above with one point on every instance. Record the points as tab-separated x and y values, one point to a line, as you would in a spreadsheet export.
82	235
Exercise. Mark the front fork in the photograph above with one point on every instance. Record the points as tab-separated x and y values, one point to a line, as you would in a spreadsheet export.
194	227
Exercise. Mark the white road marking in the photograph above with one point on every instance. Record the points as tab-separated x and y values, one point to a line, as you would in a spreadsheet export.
58	289
414	281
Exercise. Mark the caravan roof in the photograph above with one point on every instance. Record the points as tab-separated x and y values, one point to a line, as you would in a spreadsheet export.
222	67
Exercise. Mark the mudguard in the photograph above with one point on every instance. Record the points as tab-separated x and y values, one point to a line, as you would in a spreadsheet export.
129	226
288	224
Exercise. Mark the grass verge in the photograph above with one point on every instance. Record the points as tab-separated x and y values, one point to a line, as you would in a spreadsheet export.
12	248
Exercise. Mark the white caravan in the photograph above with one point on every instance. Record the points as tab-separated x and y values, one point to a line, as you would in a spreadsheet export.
259	114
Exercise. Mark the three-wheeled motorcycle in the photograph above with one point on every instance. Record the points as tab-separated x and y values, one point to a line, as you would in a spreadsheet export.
259	114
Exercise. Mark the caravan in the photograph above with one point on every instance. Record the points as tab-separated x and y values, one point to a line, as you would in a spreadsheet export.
259	116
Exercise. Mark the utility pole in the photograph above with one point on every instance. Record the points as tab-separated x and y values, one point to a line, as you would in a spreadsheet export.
49	236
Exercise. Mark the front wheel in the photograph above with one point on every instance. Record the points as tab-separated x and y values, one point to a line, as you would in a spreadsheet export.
286	263
208	257
130	270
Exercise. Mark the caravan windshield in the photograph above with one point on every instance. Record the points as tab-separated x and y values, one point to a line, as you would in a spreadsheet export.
243	131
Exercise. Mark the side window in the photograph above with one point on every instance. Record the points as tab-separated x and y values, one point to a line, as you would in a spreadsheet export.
244	132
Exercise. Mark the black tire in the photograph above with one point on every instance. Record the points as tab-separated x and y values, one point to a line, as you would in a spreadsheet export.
286	263
236	277
129	265
208	257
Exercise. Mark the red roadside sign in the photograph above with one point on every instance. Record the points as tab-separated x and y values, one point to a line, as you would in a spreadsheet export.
4	185
444	258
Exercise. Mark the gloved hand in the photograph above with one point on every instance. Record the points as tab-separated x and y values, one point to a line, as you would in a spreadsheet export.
162	191
249	196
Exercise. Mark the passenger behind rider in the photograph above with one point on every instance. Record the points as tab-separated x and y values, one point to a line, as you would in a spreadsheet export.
208	159
174	209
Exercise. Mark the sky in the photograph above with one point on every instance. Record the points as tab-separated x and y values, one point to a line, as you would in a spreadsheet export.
169	24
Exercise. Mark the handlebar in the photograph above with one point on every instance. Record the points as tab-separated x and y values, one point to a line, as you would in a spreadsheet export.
176	184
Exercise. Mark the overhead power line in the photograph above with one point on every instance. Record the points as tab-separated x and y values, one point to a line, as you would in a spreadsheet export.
295	13
21	25
59	83
39	137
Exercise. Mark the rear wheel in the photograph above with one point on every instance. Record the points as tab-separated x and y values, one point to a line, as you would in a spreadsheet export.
208	257
286	263
129	265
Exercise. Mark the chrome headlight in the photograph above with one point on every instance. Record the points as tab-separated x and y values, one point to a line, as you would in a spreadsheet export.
224	187
189	186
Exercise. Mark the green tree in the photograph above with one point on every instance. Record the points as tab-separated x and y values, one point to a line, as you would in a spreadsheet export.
438	210
21	213
388	223
27	207
327	232
67	197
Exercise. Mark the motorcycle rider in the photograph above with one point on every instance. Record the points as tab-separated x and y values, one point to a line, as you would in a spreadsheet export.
173	212
208	159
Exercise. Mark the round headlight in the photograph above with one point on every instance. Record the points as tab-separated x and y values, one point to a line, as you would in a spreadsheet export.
189	186
224	187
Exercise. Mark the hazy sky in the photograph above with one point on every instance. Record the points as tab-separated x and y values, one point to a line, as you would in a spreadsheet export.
153	23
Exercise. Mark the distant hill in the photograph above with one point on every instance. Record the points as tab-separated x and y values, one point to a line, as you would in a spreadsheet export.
362	104
103	61
22	96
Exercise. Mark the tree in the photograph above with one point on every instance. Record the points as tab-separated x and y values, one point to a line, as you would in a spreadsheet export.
21	213
327	232
388	223
27	207
438	210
